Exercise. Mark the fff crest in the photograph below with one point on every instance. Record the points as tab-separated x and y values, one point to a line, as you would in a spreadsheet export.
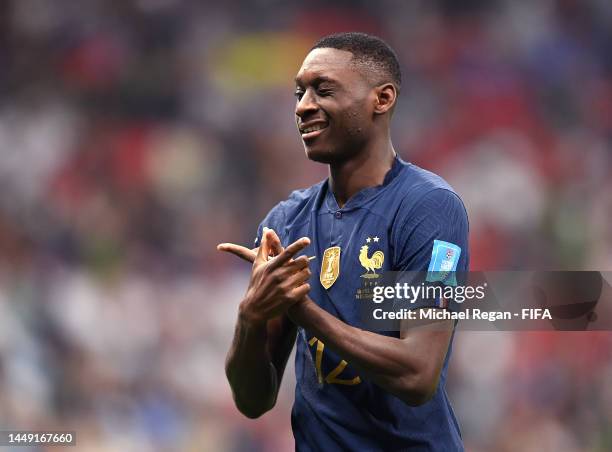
373	262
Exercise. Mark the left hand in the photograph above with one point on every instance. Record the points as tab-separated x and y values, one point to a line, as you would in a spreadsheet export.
249	254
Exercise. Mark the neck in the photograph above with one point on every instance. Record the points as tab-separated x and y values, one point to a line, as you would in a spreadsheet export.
366	169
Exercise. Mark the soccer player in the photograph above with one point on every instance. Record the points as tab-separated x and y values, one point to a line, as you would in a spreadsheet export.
356	389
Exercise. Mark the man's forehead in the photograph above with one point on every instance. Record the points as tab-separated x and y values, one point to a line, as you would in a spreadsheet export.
325	62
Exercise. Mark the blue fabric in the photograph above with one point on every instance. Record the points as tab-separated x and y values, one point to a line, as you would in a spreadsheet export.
401	219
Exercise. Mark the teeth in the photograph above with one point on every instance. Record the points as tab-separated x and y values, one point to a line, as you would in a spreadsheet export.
314	128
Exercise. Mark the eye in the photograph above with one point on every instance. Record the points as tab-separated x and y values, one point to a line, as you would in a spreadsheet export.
298	94
324	92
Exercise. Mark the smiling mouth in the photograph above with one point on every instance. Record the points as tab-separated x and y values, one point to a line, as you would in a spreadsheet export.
313	131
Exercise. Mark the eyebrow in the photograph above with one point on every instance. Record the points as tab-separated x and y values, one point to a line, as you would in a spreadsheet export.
318	80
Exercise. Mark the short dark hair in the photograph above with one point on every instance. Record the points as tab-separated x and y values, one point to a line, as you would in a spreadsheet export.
369	51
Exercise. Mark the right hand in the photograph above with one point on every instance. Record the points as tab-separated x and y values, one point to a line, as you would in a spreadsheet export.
277	283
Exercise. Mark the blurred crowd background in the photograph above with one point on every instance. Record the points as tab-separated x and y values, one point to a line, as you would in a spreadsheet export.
136	135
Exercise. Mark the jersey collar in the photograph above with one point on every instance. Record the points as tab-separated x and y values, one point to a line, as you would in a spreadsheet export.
359	198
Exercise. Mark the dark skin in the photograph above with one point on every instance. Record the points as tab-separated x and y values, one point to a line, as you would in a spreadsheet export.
356	142
264	336
353	113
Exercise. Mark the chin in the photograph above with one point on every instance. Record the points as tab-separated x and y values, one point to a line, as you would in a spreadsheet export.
320	155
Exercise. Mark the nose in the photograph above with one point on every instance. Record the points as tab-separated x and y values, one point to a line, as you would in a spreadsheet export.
306	105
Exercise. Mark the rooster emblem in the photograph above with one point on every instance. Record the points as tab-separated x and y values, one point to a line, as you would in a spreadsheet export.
371	264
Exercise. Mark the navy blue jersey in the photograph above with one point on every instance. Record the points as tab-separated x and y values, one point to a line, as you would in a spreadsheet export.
391	227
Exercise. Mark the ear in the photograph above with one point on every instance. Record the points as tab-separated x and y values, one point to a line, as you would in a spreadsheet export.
386	95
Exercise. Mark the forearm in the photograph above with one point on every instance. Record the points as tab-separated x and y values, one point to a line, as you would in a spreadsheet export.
249	369
385	360
264	336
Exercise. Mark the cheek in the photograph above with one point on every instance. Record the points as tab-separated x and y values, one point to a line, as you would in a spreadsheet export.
357	121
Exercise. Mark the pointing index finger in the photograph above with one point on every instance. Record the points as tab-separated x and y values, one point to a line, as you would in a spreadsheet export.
242	252
290	251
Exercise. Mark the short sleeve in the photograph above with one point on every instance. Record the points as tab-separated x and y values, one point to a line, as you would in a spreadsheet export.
434	237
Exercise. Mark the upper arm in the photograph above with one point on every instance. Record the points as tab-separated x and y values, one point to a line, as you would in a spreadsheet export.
427	346
441	216
433	235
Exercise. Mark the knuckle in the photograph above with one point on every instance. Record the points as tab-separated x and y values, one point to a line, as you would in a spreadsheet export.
299	291
286	286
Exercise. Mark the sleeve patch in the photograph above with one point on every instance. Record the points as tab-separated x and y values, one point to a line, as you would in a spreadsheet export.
443	263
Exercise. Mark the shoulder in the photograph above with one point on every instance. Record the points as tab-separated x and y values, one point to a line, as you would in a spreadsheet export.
428	206
438	202
295	209
417	182
422	192
297	201
302	197
431	211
